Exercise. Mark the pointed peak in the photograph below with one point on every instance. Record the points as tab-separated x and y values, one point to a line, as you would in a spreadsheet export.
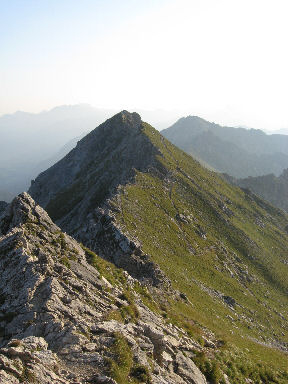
21	210
134	116
122	124
132	119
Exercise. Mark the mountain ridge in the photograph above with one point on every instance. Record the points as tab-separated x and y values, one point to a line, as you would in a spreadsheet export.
128	255
221	249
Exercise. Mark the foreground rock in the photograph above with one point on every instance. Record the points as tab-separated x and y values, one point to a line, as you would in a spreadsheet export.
56	313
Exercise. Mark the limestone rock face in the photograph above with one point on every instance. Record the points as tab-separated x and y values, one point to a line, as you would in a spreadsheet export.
187	369
105	236
54	312
29	359
22	210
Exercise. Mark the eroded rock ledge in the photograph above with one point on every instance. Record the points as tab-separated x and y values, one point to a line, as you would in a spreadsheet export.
106	238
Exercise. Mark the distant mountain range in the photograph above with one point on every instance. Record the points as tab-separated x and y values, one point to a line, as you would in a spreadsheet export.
238	152
29	141
283	131
37	136
249	158
270	187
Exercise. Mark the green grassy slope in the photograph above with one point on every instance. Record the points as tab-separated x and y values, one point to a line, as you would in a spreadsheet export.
225	250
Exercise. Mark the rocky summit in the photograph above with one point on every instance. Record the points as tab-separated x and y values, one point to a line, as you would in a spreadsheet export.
171	275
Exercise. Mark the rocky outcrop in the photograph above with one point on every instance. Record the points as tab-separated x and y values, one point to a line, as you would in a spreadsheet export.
105	236
188	370
54	312
29	360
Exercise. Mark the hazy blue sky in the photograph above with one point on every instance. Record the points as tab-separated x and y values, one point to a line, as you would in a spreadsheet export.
225	60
